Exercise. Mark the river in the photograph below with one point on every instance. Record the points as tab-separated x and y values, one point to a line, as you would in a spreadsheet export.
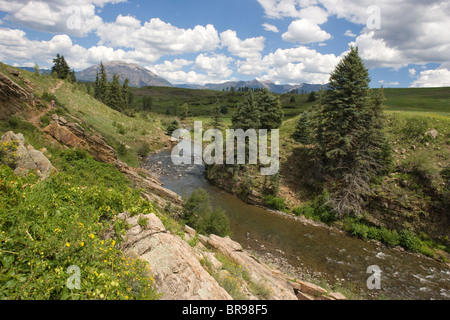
305	249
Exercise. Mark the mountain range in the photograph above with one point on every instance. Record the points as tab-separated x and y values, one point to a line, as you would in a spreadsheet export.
256	84
142	77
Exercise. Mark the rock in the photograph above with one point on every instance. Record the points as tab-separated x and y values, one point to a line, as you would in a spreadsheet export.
309	288
432	133
337	296
278	284
13	97
29	159
216	265
177	272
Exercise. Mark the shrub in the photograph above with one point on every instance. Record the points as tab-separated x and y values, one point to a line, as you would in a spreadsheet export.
143	149
199	214
275	203
171	127
409	241
421	165
414	128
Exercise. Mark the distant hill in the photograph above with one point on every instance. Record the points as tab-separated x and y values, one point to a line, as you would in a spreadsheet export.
137	75
41	71
256	84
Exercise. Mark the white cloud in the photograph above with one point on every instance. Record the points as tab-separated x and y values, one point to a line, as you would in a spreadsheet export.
391	83
74	17
295	65
412	73
248	48
269	27
349	33
305	31
433	78
216	66
157	37
277	9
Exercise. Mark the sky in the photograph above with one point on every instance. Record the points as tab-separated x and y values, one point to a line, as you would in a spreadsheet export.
403	43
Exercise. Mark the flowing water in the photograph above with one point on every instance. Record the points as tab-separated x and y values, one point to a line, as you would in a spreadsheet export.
307	249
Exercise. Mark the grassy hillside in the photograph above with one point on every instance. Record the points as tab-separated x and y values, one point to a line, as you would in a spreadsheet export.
129	135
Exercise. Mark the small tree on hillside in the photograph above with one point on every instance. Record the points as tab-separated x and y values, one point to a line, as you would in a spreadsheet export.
271	114
247	115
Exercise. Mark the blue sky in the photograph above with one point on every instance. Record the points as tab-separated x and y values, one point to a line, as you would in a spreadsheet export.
404	43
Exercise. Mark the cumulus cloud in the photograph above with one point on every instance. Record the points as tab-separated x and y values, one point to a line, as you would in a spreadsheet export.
305	31
295	65
73	17
433	78
248	48
157	36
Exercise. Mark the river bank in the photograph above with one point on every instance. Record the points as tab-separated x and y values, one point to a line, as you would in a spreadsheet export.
308	248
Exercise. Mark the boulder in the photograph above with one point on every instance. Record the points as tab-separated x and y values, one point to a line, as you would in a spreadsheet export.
29	159
432	133
176	269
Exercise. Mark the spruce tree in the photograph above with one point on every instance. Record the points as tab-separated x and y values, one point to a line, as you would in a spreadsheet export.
271	114
349	135
126	93
247	115
114	97
303	130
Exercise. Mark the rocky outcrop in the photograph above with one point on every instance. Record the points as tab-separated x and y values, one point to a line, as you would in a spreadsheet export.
13	97
73	135
29	159
176	269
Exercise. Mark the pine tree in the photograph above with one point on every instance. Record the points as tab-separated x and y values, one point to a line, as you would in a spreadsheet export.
56	68
101	84
114	97
126	93
349	135
247	115
303	130
271	114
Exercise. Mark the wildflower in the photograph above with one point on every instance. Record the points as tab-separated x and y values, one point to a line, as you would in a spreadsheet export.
82	244
91	236
68	245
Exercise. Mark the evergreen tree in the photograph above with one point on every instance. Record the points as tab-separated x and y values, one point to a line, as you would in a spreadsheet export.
247	115
147	103
303	130
56	68
271	114
126	93
61	69
312	97
351	140
114	97
101	84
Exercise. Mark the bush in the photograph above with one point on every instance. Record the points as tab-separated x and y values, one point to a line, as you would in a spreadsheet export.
275	203
171	127
409	241
414	128
421	165
199	214
143	149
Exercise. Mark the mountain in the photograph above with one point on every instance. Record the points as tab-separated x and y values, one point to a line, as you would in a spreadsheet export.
256	84
137	75
41	71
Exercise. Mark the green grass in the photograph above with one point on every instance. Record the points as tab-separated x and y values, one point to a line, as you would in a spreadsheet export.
48	226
